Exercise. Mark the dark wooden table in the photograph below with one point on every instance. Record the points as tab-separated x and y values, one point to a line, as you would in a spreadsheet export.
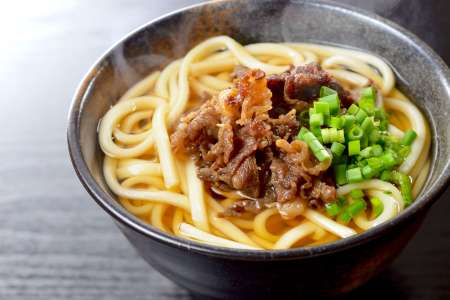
55	242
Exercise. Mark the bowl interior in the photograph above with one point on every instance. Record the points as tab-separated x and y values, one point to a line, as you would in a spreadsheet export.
420	73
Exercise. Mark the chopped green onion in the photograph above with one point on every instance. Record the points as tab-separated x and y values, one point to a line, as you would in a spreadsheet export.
353	148
367	125
344	217
391	141
379	114
377	150
369	93
366	152
364	141
357	141
386	175
330	135
322	107
337	149
352	166
316	120
368	172
367	100
301	133
326	138
341	174
341	201
326	91
360	116
356	207
383	125
323	155
389	160
316	132
357	194
326	135
336	122
316	147
361	162
375	163
333	102
377	206
355	133
349	120
341	136
332	209
354	175
353	109
374	136
409	137
403	152
404	183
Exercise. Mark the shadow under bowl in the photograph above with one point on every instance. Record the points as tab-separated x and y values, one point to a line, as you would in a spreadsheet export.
228	273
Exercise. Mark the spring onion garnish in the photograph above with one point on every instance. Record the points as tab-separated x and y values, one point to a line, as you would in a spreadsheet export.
367	101
356	207
355	133
316	120
409	137
352	210
377	206
386	175
354	175
332	209
357	194
326	91
404	182
314	144
340	172
357	141
354	148
337	149
331	135
349	120
336	122
333	103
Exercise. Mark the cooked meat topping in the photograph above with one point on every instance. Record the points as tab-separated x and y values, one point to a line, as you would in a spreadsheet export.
244	139
297	87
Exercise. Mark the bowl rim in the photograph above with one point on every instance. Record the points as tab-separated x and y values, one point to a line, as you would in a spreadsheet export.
102	198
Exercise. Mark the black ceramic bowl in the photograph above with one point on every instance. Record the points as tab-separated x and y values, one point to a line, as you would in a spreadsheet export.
227	273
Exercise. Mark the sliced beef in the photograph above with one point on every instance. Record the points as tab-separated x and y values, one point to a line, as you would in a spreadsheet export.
197	129
299	86
225	133
294	175
285	126
244	139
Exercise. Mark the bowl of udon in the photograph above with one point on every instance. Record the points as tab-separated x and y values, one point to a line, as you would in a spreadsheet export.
257	149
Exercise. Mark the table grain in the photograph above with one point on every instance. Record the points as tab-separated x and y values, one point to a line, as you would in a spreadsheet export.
55	242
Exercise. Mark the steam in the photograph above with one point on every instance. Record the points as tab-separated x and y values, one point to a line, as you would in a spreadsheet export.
409	13
129	69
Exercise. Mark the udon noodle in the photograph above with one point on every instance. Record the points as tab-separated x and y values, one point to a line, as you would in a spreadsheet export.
163	189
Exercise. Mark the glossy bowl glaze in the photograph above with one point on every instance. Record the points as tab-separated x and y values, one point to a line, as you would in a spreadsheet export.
227	273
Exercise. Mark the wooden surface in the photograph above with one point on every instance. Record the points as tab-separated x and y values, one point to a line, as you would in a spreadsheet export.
55	242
